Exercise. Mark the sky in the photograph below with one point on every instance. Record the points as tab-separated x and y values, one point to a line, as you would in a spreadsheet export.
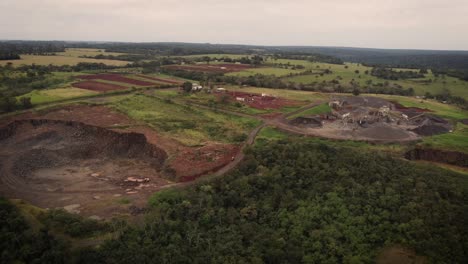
398	24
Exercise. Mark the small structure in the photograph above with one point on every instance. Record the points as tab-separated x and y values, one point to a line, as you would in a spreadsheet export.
220	90
241	99
196	87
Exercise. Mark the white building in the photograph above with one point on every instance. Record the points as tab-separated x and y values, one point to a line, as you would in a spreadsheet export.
196	87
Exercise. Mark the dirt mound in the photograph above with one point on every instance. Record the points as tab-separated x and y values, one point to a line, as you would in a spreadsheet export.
383	131
402	108
306	122
429	125
52	163
367	101
88	140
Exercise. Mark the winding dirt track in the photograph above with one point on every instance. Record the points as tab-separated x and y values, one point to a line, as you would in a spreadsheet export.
277	122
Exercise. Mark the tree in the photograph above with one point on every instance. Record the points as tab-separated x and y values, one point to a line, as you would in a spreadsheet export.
26	102
187	87
356	91
8	104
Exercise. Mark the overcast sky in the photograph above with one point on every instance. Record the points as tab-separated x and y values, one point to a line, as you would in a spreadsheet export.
416	24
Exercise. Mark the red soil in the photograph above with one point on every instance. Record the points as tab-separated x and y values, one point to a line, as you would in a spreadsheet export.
161	79
192	163
98	86
220	68
115	78
402	108
261	102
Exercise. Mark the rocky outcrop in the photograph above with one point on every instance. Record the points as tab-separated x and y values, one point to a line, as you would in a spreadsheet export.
92	141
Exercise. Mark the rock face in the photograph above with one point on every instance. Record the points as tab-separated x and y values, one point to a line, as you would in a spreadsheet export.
95	141
449	157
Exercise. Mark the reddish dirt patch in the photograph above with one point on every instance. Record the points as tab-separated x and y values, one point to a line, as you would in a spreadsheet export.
115	78
260	102
98	86
161	79
193	163
219	68
402	108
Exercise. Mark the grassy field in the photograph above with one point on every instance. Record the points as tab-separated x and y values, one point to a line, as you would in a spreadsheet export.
279	72
52	95
317	110
215	102
353	71
455	141
58	60
189	125
347	72
77	52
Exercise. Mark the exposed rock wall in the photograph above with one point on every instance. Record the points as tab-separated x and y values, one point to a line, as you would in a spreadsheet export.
449	157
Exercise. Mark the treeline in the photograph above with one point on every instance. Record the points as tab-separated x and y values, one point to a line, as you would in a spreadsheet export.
446	97
19	243
254	60
333	86
390	74
194	75
32	47
9	55
314	57
169	48
297	202
81	66
123	57
460	74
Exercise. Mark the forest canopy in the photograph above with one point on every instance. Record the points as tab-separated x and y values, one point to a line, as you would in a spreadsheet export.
293	202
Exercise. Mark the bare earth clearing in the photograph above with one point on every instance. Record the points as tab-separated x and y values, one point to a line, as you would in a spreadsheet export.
67	158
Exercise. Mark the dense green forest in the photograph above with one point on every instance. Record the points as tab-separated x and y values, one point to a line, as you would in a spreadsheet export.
20	243
289	202
293	202
31	47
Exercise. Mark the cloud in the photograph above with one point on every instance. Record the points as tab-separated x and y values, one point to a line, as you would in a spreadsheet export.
430	24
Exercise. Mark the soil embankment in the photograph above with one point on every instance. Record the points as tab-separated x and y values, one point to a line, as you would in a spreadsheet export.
442	156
